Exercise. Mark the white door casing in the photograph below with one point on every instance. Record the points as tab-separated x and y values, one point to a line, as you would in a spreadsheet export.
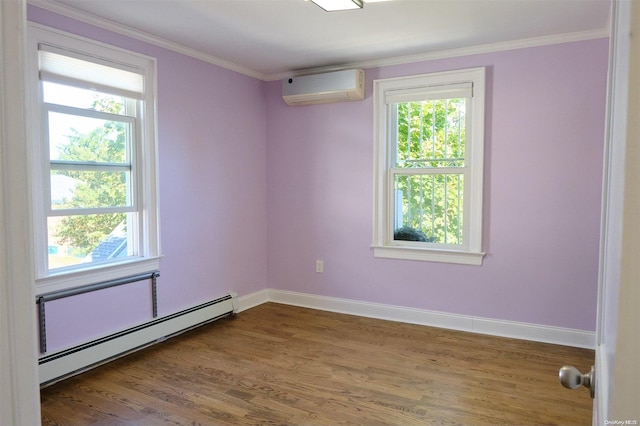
19	390
618	328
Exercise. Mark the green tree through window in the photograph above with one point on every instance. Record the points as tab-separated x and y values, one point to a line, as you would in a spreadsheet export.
430	148
106	144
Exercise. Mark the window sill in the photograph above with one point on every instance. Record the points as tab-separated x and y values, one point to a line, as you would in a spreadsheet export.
97	274
429	255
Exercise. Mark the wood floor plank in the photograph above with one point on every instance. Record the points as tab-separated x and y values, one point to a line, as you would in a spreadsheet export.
283	365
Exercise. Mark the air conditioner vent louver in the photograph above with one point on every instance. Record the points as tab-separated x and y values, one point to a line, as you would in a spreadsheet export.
339	86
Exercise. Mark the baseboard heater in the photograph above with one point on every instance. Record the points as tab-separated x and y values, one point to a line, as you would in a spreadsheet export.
75	360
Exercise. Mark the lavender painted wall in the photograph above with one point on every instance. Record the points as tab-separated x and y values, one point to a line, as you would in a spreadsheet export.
544	143
252	192
211	138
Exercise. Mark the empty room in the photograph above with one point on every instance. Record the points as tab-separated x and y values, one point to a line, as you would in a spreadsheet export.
314	212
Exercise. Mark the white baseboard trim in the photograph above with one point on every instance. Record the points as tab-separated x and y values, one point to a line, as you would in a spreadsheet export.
252	300
511	329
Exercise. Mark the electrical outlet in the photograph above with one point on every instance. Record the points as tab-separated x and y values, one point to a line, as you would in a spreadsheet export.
320	266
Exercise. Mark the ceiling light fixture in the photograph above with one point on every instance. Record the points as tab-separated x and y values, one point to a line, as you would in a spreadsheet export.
333	5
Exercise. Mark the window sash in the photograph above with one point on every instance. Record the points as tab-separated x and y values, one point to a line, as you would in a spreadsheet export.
393	134
429	171
128	166
132	237
461	172
90	166
90	210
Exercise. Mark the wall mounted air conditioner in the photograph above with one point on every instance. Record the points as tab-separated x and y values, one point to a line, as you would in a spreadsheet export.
338	86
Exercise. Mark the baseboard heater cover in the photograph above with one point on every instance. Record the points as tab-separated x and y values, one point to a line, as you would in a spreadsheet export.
75	360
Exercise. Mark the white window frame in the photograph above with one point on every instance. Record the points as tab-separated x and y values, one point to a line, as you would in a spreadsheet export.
384	245
145	180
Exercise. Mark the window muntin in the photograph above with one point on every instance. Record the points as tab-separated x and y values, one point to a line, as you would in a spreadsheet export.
95	179
429	142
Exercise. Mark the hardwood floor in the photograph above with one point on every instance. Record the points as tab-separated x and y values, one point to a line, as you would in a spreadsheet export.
283	365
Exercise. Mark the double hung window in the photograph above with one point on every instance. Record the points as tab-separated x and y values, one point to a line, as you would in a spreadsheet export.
94	161
429	155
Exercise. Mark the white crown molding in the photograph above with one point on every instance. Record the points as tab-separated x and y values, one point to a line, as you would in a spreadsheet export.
106	24
489	326
452	53
70	12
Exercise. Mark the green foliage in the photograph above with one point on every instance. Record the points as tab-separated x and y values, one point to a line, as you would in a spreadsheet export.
431	135
95	188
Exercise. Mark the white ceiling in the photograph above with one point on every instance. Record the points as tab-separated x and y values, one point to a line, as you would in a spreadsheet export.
270	39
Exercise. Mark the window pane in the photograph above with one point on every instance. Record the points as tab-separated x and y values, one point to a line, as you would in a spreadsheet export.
84	139
72	189
74	240
61	94
428	208
430	133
